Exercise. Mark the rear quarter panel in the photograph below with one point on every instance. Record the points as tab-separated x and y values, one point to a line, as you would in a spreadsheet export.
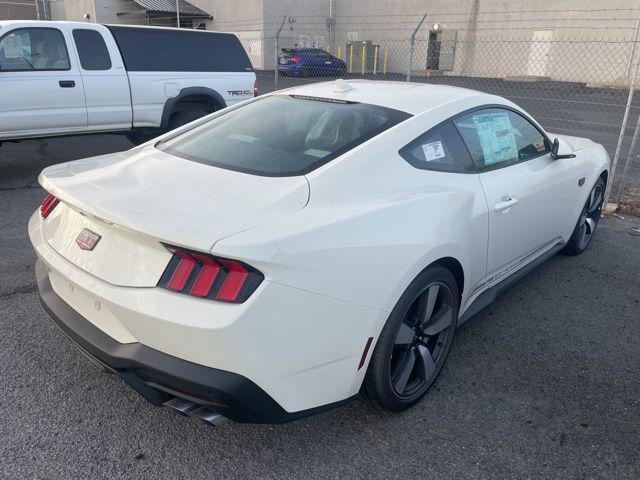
373	222
151	90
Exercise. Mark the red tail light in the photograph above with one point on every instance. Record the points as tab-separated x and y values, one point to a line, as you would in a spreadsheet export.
47	205
295	59
255	88
203	275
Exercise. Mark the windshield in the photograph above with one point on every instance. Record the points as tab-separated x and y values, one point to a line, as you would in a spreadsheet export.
282	135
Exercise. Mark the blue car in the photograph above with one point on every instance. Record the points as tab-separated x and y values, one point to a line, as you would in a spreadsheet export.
305	62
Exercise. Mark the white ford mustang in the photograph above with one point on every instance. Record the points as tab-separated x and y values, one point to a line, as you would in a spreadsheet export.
278	257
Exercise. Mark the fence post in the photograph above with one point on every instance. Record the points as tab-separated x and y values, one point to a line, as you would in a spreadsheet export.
413	41
627	163
275	57
623	127
636	132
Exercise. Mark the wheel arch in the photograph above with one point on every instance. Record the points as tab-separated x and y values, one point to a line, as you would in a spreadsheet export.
455	268
604	175
201	95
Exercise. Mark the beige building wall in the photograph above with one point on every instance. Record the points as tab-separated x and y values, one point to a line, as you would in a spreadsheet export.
18	10
576	40
73	10
494	37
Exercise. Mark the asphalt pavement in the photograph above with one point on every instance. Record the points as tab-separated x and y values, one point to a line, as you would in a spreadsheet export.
545	383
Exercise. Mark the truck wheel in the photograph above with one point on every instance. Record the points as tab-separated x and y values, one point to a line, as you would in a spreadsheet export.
188	115
138	137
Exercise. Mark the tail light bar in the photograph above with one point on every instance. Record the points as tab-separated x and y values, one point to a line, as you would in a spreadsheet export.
207	276
48	204
255	88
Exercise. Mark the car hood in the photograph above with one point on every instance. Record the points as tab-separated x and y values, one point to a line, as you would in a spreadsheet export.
578	143
177	201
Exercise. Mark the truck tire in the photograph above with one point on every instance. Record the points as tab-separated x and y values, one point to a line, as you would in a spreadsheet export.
179	118
188	115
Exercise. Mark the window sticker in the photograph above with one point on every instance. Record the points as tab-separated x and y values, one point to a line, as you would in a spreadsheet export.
12	46
497	137
433	151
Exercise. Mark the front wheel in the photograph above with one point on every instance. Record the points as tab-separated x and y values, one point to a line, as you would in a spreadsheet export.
414	343
588	221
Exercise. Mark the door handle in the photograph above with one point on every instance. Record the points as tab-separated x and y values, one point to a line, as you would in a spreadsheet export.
67	83
505	204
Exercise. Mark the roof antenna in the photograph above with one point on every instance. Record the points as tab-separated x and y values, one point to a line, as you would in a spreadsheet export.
342	86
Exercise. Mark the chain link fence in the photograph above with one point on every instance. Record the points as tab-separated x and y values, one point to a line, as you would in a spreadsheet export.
22	9
572	86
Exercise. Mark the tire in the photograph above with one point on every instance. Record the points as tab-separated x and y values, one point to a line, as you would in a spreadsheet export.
188	115
587	221
410	335
138	137
304	72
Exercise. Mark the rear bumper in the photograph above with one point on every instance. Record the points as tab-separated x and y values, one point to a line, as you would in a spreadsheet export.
158	377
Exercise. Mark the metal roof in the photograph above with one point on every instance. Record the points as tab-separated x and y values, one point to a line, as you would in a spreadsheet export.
169	6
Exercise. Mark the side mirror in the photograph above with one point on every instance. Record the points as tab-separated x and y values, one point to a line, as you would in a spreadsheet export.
561	149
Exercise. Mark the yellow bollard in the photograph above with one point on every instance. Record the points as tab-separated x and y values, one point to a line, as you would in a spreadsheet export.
386	56
364	56
340	53
375	60
350	58
329	49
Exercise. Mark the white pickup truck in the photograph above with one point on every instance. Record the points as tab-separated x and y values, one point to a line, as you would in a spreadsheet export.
64	78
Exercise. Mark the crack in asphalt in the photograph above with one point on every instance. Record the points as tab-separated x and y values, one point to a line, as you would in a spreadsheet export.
24	289
31	186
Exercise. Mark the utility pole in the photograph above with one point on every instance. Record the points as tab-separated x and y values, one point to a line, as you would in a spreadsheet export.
178	13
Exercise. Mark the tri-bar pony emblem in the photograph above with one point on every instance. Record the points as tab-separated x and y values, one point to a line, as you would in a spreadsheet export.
87	240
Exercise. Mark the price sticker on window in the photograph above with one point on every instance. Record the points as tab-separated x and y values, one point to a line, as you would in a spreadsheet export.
433	151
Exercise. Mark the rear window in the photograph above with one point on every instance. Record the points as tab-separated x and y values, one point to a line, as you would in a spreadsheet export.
282	135
92	50
179	50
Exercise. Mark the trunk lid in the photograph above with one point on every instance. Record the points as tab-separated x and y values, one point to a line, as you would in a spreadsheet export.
136	200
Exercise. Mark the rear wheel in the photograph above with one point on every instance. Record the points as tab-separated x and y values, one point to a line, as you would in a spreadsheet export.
185	114
414	342
189	114
138	137
304	72
588	221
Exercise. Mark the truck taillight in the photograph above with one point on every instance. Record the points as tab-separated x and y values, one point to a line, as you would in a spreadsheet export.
207	276
48	204
255	88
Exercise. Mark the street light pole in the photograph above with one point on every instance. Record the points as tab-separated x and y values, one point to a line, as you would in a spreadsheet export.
178	13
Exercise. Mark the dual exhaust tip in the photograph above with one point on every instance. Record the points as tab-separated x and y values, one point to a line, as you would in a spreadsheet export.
192	409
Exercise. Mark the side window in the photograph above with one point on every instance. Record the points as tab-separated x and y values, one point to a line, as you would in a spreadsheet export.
440	149
496	136
33	49
92	50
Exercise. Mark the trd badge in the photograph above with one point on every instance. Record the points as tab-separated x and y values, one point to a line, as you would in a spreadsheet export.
87	239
